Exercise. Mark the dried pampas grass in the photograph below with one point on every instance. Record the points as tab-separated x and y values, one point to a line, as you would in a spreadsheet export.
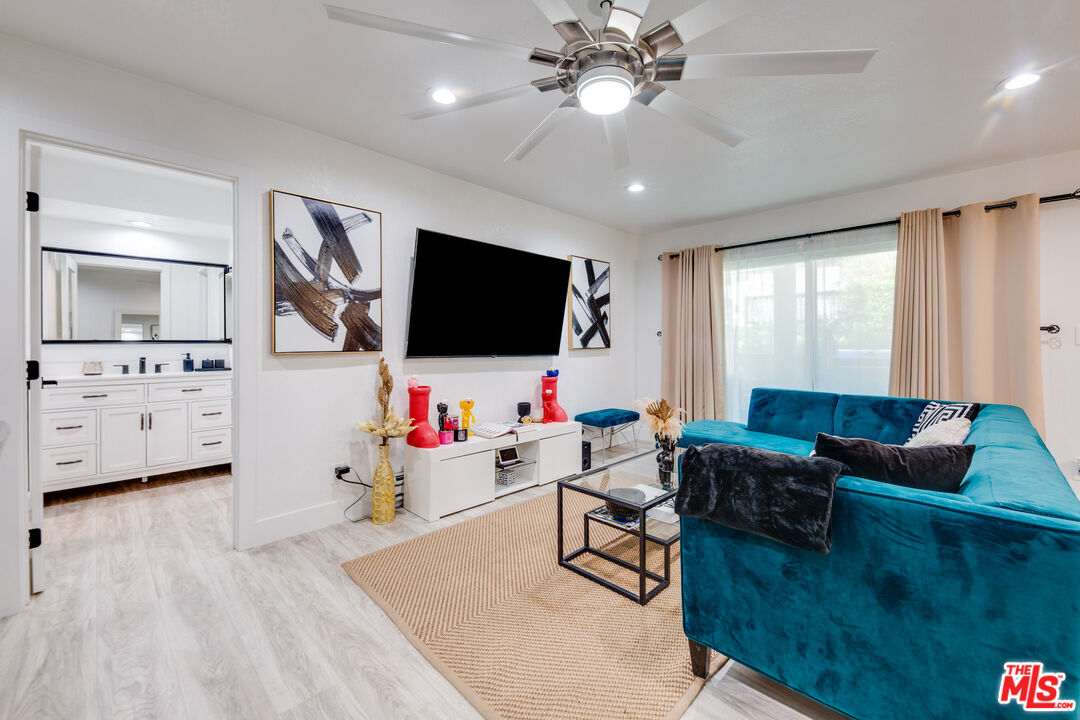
662	419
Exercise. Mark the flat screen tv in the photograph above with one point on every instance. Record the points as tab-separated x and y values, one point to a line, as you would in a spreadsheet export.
475	299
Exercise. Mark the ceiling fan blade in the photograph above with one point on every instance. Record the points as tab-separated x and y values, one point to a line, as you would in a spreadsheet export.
618	139
625	17
558	115
471	102
402	27
692	24
664	101
814	62
565	22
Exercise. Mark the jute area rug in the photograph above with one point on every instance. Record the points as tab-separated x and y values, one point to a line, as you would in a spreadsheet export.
523	639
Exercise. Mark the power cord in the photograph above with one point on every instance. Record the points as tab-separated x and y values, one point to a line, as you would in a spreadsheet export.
339	473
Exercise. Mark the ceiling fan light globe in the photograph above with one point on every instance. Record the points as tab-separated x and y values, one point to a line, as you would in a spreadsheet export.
605	90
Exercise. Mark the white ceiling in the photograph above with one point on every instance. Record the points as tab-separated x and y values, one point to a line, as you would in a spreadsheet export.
76	184
923	106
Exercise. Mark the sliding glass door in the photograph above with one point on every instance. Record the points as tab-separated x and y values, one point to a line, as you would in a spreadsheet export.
811	314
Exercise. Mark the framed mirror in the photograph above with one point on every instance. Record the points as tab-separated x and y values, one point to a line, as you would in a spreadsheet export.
89	297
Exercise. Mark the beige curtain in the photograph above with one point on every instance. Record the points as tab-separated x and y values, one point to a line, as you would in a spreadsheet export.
989	287
692	332
920	353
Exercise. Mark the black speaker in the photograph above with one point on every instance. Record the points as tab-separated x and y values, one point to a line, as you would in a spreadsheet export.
586	455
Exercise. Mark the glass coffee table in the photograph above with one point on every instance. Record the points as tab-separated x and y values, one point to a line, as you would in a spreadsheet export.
646	515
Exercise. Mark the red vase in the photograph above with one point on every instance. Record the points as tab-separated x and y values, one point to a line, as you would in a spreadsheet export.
424	436
550	397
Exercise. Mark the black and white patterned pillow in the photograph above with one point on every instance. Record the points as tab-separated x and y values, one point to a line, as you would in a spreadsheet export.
936	412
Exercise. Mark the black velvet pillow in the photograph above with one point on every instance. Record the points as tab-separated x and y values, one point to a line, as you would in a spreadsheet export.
933	467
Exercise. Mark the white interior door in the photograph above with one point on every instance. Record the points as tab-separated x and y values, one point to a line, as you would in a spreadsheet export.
166	433
123	439
31	180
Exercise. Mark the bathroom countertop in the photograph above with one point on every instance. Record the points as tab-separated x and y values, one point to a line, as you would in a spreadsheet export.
135	377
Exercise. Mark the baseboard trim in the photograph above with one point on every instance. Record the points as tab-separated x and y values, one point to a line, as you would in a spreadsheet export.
297	522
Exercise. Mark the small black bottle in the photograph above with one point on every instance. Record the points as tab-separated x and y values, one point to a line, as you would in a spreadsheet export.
189	364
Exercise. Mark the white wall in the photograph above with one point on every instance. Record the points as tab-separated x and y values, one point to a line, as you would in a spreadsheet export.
295	415
1060	245
98	237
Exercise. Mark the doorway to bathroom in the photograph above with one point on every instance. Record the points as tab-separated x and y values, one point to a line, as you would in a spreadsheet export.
130	357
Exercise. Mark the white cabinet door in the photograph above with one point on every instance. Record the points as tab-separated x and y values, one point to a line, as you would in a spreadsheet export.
166	433
560	457
123	439
463	482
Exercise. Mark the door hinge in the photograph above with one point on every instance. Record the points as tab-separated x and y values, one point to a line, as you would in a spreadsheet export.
33	370
33	202
35	538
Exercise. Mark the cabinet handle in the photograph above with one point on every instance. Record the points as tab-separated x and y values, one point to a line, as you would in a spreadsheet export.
88	397
69	462
213	413
142	421
191	390
150	423
68	427
213	443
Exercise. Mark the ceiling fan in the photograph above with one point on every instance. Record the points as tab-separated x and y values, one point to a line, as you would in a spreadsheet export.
602	70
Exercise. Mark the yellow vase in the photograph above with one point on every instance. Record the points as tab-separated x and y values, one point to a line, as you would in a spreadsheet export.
382	492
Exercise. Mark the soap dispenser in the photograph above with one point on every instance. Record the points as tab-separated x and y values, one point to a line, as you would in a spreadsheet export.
189	364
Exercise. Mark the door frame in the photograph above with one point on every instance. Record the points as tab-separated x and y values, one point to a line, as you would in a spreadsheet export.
242	340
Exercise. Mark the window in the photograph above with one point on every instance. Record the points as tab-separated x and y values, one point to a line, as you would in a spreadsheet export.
812	314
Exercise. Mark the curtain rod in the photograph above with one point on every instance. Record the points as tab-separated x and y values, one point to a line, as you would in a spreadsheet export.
1074	195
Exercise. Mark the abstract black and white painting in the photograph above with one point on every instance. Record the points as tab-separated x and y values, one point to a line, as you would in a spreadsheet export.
327	270
590	303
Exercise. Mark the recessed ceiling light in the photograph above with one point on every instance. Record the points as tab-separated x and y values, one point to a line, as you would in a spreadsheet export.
635	187
1021	81
443	96
140	224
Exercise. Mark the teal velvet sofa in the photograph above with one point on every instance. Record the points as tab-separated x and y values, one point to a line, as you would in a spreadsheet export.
924	597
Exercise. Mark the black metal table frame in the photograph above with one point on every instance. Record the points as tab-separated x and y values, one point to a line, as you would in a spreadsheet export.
641	532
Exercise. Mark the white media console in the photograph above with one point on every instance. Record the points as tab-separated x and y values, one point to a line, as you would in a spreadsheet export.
448	478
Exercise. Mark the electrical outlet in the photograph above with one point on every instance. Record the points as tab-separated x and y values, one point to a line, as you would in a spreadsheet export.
340	469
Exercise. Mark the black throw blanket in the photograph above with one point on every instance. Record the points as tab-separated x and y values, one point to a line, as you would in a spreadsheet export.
779	496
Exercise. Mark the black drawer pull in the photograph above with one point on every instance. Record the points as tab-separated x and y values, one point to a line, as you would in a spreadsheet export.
88	397
191	390
68	427
69	462
213	443
210	414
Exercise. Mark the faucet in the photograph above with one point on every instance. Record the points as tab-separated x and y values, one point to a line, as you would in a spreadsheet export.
158	366
142	366
123	368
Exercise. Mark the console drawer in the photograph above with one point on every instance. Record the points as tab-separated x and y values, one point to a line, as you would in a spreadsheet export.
190	389
207	414
53	398
68	463
211	444
71	427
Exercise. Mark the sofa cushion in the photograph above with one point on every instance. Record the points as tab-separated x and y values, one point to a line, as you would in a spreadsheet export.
935	467
936	412
1013	469
703	432
882	419
793	413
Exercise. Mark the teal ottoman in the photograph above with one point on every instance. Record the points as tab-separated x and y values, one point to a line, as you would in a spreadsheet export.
608	422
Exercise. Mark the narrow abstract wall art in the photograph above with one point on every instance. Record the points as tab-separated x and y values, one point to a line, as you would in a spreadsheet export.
327	276
590	303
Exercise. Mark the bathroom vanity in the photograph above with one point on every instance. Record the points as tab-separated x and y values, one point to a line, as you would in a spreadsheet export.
120	427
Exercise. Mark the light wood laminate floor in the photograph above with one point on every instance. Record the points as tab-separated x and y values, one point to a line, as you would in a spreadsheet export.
151	614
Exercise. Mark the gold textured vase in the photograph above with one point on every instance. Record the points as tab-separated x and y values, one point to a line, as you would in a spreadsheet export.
382	489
